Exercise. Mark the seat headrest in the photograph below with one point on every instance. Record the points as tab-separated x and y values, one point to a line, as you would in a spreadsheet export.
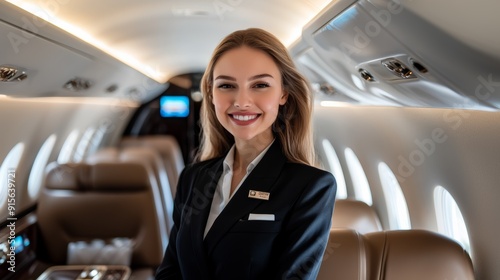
119	176
62	176
417	254
108	154
356	215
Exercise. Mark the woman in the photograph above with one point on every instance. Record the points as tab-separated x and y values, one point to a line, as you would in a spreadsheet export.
253	207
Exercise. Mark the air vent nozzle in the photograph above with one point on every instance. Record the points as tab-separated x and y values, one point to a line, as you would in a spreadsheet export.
11	74
77	84
398	68
328	89
367	76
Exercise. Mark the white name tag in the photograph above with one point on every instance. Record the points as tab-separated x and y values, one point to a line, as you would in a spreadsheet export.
261	217
258	195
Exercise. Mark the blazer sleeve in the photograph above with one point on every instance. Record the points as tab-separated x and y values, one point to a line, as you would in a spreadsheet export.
306	232
169	268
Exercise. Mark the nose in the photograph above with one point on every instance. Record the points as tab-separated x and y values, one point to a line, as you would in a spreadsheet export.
242	99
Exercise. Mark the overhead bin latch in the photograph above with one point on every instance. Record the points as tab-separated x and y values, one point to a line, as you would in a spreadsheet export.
11	74
398	68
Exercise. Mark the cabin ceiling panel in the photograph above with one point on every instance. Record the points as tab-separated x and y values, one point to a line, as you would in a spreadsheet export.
167	38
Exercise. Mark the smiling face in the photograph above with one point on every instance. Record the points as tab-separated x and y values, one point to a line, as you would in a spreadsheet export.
247	92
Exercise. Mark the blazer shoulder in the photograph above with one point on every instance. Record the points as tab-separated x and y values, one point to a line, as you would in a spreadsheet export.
311	171
201	165
193	170
311	176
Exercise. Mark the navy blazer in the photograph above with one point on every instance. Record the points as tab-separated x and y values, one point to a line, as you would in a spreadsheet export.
301	198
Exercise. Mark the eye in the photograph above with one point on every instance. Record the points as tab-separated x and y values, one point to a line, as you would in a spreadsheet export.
261	85
225	86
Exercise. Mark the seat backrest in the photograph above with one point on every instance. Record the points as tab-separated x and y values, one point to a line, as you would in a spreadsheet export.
169	150
345	256
149	157
355	215
152	161
416	255
82	202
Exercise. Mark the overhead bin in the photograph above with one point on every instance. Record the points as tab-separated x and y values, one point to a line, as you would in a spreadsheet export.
57	64
389	52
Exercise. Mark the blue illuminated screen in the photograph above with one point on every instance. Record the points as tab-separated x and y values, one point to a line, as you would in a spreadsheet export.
18	244
174	106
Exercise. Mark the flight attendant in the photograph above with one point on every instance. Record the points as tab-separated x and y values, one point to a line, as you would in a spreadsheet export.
253	206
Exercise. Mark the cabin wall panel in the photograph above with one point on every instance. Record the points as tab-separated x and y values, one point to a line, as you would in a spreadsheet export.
426	147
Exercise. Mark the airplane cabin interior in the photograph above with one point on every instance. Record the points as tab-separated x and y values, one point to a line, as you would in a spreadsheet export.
99	115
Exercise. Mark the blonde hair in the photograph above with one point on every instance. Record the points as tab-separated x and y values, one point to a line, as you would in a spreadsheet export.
293	123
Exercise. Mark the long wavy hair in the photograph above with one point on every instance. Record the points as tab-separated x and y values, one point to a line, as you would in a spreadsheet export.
293	123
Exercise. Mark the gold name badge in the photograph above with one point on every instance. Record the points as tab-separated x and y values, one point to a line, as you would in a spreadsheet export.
258	195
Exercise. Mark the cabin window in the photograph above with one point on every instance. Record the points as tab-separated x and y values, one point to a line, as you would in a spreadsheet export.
335	168
8	173
358	177
449	218
95	141
83	145
68	147
397	209
37	170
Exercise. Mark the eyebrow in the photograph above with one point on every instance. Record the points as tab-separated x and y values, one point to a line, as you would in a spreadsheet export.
224	77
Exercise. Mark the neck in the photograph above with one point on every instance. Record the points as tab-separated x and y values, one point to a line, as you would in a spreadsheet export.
247	151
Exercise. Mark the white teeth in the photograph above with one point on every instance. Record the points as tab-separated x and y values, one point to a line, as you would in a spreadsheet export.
245	117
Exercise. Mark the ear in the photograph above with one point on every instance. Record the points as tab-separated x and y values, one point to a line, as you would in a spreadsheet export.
210	96
283	98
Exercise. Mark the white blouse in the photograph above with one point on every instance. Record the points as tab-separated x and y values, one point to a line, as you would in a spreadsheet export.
221	195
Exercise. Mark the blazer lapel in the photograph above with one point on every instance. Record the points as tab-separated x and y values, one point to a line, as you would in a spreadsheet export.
262	178
200	203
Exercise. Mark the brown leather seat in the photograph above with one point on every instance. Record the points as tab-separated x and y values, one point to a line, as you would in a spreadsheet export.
169	152
81	202
345	256
394	255
154	164
357	215
416	255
